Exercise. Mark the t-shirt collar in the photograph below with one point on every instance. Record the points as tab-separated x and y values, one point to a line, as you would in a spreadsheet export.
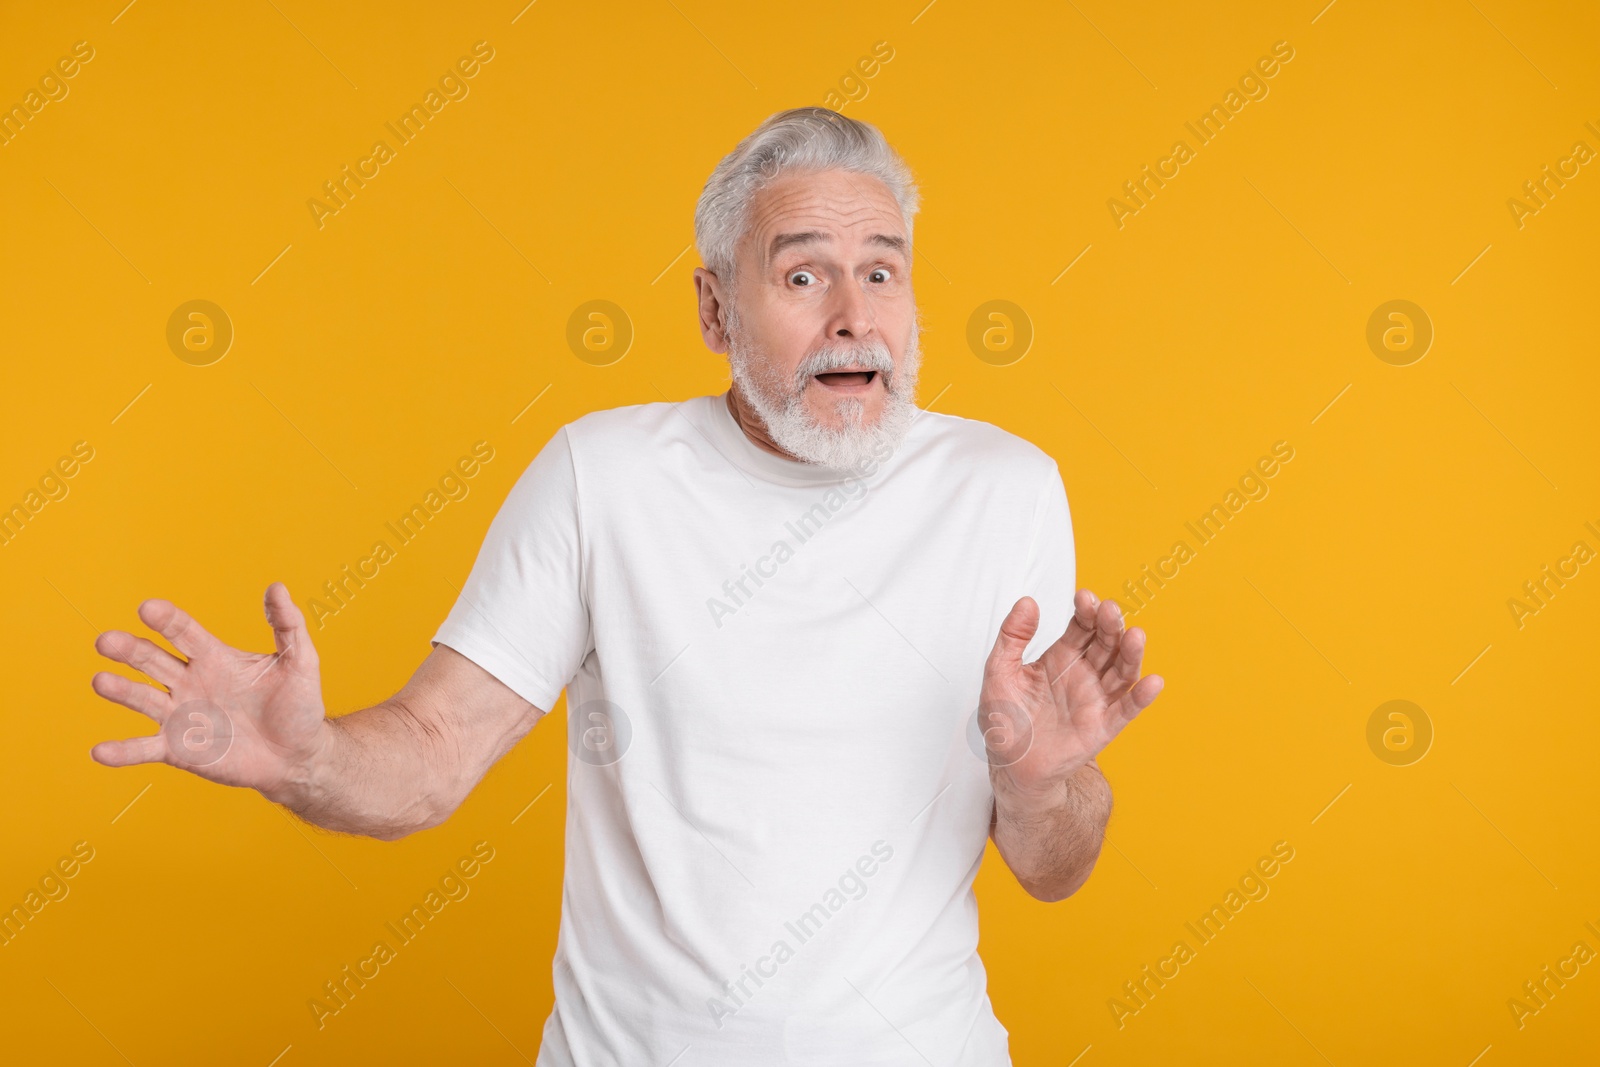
729	438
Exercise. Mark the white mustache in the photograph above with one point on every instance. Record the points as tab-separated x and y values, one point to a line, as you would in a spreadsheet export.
872	356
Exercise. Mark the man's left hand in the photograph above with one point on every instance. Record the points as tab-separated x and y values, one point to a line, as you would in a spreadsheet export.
1043	721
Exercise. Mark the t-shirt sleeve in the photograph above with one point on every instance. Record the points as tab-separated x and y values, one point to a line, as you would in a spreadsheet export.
1050	573
522	615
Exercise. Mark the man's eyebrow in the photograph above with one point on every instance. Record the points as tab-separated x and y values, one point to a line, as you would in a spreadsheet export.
787	240
890	240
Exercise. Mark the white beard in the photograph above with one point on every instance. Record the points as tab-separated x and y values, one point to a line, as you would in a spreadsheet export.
782	406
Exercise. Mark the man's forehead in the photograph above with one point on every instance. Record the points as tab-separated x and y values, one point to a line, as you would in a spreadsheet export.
822	209
801	238
828	203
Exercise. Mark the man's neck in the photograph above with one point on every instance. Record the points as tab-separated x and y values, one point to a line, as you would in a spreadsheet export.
751	424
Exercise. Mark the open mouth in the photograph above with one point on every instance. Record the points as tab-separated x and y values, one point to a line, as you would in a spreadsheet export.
847	379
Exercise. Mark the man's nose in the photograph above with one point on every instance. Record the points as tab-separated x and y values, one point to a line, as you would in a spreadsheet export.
852	314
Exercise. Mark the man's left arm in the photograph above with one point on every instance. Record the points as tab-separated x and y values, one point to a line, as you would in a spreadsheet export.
1051	843
1044	722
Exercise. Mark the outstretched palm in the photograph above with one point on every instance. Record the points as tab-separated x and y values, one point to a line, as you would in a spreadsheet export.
239	718
1044	720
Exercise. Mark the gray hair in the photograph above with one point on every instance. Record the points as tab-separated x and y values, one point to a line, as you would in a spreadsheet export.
801	138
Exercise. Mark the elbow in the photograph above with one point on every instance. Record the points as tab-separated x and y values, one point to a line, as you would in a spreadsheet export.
397	833
1063	884
423	813
1053	892
431	811
1049	896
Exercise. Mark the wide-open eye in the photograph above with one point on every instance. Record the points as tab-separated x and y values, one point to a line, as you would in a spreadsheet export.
880	275
802	274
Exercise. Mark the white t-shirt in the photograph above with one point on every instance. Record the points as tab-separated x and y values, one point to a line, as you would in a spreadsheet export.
777	796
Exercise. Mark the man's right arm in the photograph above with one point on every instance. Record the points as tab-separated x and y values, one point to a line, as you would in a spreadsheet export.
257	721
407	763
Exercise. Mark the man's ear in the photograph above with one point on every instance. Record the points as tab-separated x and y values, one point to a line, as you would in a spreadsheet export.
711	310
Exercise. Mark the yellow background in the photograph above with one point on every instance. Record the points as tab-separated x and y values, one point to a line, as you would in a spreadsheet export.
1228	314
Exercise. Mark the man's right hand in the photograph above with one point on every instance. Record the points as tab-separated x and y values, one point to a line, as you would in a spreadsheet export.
239	718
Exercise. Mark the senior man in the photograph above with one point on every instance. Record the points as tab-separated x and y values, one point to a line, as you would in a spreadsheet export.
818	646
